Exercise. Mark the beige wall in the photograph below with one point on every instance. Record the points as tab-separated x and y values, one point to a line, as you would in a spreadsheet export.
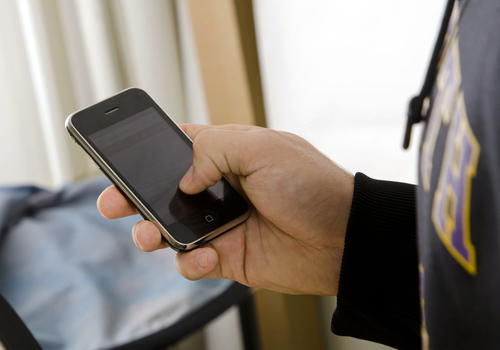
225	39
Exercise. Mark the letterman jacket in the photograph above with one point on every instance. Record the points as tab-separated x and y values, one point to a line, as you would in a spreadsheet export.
421	265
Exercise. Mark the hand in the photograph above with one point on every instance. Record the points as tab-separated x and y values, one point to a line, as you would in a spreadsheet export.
293	241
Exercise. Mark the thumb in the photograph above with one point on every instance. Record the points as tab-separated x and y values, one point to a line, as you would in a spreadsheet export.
215	152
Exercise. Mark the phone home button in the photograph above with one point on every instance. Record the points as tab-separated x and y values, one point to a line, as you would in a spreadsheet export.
209	217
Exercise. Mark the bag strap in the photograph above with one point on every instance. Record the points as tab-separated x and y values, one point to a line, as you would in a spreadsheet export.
13	332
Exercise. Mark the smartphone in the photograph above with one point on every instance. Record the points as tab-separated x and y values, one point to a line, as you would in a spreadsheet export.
145	155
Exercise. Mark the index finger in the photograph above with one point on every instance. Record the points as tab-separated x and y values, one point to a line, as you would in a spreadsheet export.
192	130
113	205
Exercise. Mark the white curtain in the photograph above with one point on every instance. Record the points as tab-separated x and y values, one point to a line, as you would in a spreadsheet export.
58	56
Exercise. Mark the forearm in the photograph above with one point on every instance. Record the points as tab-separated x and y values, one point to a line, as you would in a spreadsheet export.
378	297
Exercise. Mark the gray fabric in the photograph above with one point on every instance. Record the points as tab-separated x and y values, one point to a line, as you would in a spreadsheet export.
77	280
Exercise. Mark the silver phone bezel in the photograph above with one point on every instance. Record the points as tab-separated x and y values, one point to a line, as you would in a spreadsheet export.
141	208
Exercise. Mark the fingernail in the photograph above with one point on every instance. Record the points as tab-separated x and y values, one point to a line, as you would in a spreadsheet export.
188	177
201	260
134	229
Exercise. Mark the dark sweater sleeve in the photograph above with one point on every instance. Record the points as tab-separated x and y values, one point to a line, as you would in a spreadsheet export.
378	297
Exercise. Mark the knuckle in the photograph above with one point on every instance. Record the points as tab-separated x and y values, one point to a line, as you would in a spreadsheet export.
203	139
210	178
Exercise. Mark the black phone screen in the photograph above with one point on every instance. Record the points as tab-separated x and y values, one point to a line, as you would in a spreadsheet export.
152	158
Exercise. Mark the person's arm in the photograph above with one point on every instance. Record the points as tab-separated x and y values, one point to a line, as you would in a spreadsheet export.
294	240
378	297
